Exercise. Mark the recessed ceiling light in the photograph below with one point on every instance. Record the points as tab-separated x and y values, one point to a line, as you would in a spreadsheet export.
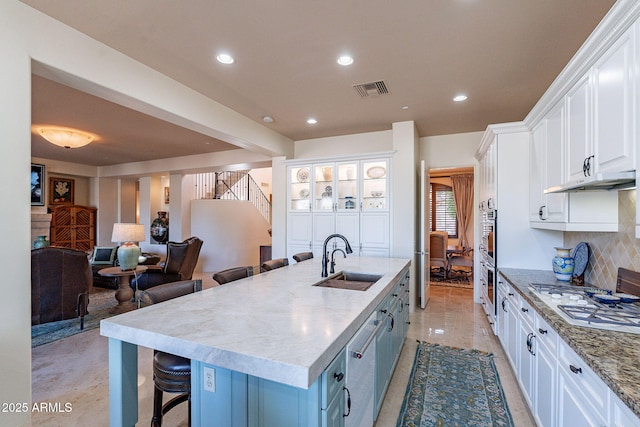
404	107
267	119
225	58
312	121
345	60
460	98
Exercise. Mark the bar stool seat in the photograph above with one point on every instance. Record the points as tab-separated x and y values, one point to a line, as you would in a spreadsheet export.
171	374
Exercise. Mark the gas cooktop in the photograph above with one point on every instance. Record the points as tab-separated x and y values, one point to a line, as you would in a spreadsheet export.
578	306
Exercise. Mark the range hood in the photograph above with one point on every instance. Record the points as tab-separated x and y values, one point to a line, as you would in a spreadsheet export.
599	181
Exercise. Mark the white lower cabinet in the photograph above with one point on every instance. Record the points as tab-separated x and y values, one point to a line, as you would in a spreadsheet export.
559	387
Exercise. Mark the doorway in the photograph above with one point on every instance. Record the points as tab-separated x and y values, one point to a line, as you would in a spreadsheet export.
450	222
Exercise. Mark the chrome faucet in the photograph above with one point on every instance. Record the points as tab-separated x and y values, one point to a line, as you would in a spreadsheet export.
333	262
325	254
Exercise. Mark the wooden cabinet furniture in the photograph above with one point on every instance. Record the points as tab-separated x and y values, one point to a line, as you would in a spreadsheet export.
73	227
349	197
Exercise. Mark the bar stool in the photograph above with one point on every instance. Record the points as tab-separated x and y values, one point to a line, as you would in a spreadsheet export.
275	263
231	274
171	373
303	256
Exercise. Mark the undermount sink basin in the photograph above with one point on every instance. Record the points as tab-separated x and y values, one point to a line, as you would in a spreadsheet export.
350	280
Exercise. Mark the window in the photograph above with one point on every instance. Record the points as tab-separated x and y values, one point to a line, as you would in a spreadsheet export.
443	215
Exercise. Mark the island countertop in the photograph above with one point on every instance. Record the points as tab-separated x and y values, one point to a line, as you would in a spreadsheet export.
612	355
273	325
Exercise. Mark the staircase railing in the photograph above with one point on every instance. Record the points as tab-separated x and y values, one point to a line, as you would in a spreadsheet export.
232	185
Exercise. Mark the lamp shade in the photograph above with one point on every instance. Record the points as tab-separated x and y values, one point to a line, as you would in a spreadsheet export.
66	137
127	232
128	251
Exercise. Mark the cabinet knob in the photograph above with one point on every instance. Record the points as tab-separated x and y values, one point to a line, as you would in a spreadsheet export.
524	310
339	376
575	370
542	331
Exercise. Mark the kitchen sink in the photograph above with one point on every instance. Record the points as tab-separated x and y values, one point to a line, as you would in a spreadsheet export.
354	281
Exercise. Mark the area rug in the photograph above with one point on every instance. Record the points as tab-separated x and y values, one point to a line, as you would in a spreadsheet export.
458	281
100	302
453	387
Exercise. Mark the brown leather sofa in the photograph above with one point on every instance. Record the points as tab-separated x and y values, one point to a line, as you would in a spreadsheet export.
182	258
60	284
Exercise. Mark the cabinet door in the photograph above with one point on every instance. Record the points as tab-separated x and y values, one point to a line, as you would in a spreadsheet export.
545	390
579	141
613	108
299	192
554	173
323	187
573	408
374	230
526	363
299	226
333	416
346	183
375	185
513	333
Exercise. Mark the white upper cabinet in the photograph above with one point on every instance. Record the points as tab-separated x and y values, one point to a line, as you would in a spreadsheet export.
614	119
349	197
579	144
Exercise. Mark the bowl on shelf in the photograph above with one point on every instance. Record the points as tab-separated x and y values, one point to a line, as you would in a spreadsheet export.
376	194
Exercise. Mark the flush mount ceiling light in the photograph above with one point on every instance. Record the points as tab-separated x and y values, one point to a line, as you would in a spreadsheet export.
345	60
312	121
460	98
65	137
267	119
225	58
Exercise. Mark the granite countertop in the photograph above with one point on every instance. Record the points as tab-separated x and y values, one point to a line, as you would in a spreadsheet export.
612	355
273	325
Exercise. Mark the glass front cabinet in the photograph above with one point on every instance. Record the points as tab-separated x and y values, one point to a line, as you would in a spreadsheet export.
348	197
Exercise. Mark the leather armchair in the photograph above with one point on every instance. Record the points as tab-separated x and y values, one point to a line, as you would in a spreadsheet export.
60	283
182	258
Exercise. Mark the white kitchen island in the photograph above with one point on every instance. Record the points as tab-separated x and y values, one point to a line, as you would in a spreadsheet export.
268	338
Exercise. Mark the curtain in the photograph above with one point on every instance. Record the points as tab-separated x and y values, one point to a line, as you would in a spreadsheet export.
463	197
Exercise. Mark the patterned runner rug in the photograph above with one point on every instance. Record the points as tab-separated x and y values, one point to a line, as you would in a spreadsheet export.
458	281
100	302
453	387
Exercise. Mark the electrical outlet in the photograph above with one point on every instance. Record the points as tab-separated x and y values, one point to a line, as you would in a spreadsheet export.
210	379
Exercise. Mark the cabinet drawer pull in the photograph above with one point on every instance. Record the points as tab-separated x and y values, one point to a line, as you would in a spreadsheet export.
575	370
542	331
524	310
339	376
348	402
504	300
510	294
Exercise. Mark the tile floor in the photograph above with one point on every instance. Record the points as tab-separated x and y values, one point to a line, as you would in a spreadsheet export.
75	370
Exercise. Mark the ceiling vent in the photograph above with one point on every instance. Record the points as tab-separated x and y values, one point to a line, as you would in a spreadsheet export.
371	89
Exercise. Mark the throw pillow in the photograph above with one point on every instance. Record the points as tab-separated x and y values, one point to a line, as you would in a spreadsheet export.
104	255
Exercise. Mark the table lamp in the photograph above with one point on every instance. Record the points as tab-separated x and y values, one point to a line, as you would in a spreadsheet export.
128	235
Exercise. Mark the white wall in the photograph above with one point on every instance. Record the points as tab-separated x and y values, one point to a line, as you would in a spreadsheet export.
228	243
447	151
343	145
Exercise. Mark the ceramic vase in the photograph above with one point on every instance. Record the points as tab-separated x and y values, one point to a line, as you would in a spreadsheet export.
563	264
159	229
41	242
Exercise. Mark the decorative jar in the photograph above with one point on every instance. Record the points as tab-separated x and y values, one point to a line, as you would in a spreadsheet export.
159	229
563	264
41	242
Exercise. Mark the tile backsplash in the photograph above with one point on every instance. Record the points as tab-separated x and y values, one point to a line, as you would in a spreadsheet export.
611	250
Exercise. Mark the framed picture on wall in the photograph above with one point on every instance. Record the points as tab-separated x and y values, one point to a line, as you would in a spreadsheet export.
166	195
37	185
61	191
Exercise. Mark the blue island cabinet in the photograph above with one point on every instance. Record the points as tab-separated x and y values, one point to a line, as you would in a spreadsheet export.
242	400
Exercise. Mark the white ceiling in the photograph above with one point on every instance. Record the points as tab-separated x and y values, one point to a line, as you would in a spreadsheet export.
502	53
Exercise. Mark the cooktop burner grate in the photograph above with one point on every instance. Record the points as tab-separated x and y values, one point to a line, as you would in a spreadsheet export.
576	305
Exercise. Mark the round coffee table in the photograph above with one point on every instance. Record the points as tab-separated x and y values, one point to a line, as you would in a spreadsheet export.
124	294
